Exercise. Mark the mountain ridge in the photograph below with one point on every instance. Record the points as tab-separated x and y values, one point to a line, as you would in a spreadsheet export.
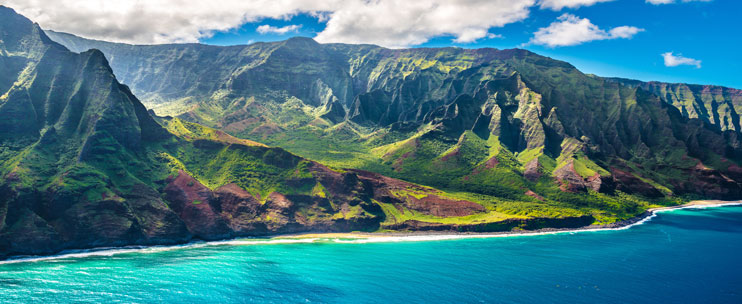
409	110
716	105
71	40
81	44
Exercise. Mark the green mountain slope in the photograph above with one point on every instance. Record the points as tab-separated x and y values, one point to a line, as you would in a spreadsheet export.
84	164
505	123
715	105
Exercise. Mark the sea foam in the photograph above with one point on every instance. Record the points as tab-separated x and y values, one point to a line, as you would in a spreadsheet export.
107	252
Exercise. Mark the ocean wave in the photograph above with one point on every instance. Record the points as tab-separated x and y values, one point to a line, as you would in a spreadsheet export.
107	252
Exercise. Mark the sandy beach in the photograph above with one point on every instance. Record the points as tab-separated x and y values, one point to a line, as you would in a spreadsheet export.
434	235
369	237
704	203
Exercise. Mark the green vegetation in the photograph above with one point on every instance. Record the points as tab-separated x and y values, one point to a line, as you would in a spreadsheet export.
397	216
510	135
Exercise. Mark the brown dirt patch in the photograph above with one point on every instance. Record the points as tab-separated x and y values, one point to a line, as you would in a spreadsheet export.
442	207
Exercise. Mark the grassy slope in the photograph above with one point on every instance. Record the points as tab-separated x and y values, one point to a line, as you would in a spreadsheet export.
500	190
457	163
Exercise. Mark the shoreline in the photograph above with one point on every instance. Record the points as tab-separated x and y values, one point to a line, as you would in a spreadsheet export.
621	225
371	237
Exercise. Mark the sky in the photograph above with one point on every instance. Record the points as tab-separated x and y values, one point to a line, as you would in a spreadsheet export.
692	41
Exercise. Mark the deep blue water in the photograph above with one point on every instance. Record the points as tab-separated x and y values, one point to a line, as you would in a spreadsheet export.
683	256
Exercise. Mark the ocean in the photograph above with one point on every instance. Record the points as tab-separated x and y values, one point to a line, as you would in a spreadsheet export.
680	256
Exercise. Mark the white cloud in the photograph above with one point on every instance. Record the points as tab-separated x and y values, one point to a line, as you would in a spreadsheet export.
572	30
471	36
400	23
625	32
672	60
269	29
392	23
658	2
560	4
156	21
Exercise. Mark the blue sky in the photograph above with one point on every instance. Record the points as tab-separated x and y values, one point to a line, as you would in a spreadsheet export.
705	31
694	41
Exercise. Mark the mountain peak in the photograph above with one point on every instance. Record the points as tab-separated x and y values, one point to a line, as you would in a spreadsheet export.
300	41
97	56
47	86
9	18
301	38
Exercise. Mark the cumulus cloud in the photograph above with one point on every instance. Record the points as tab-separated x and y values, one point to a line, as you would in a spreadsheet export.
391	23
572	30
560	4
658	2
269	29
400	23
672	60
156	21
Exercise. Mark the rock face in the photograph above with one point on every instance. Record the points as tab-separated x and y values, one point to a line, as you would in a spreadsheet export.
507	225
715	105
62	114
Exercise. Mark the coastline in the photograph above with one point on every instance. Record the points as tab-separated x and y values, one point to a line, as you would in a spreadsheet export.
442	235
370	237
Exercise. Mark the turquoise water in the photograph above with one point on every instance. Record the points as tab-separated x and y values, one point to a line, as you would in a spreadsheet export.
683	256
